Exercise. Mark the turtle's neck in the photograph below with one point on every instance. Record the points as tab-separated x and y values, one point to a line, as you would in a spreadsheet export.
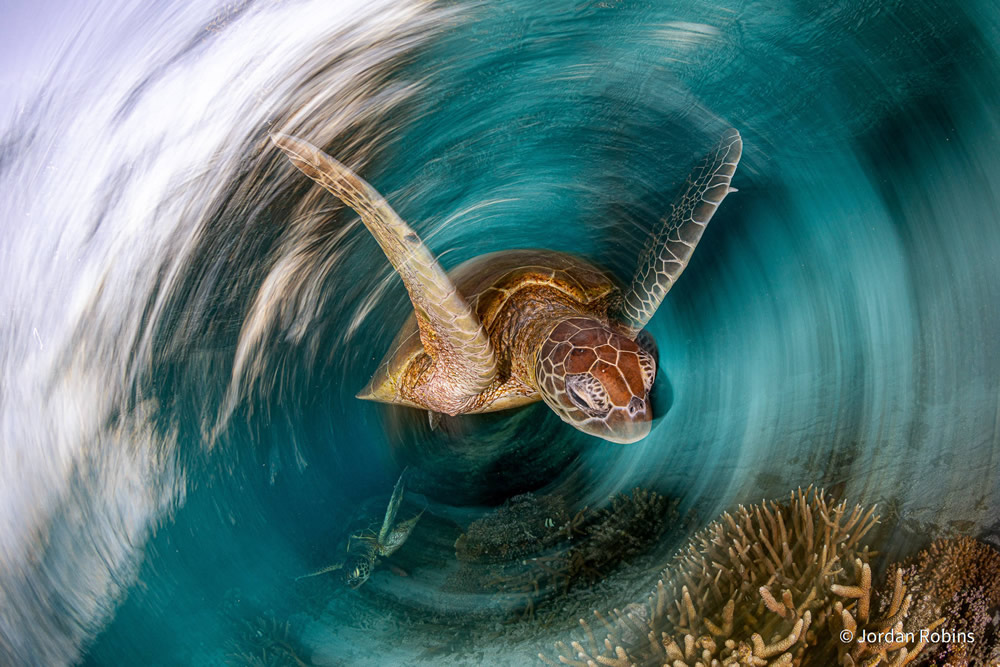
523	325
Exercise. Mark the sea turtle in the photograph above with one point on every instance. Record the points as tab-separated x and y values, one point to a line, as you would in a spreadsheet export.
516	326
364	549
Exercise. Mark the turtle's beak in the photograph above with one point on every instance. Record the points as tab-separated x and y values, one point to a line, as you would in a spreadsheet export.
629	424
622	425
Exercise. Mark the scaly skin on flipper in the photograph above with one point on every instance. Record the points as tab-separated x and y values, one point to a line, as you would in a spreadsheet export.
515	294
668	252
398	535
462	360
329	568
391	509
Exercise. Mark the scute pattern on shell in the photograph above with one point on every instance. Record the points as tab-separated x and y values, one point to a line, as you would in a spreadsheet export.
513	293
490	281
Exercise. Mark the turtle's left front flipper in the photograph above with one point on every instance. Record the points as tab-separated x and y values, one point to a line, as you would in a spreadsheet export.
451	333
331	568
669	250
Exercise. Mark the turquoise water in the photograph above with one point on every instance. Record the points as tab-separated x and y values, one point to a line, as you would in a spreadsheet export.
189	319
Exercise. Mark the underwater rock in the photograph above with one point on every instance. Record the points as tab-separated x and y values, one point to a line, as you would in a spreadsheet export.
626	529
764	585
957	579
523	525
533	549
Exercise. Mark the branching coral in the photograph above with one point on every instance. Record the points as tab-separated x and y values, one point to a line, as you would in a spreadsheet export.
959	580
762	586
875	641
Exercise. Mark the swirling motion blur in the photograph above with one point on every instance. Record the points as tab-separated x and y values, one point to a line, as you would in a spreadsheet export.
184	321
515	327
134	213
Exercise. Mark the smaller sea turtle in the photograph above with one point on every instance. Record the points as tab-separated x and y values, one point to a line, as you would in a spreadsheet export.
365	548
518	326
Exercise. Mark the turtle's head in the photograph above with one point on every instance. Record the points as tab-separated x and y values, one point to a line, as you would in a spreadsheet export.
596	380
356	571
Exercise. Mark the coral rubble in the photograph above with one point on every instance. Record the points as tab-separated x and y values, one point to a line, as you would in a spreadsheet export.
766	585
264	641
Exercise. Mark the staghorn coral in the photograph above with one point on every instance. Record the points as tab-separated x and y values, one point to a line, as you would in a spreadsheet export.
959	580
762	586
876	641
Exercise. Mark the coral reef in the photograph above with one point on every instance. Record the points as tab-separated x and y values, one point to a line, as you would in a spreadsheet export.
257	638
959	580
533	548
626	529
522	526
766	585
891	645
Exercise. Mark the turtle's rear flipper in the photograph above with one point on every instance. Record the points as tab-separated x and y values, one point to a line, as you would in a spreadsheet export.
450	330
670	248
434	419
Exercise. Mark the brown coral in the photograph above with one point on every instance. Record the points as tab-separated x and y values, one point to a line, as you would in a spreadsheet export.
524	525
533	548
762	586
876	641
959	580
626	529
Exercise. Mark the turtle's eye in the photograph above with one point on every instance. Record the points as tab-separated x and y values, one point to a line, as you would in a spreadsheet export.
356	578
588	394
648	366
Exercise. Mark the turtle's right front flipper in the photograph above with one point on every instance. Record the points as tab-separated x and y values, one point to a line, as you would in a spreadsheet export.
669	250
451	333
